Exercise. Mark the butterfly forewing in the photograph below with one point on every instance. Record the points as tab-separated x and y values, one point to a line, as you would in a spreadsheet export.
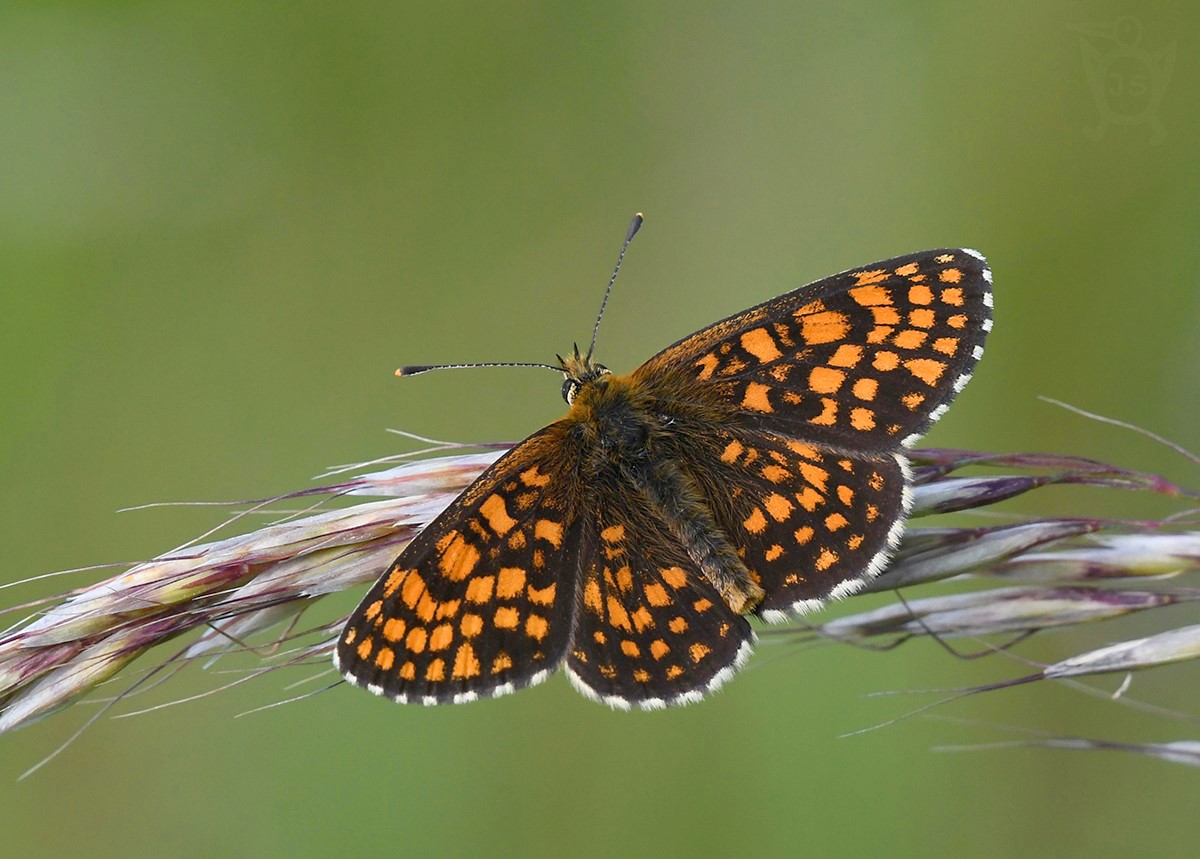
650	630
480	602
866	359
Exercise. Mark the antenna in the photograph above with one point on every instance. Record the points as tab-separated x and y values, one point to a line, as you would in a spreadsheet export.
416	370
634	226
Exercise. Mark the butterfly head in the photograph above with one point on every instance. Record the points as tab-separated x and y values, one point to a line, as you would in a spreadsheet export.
578	372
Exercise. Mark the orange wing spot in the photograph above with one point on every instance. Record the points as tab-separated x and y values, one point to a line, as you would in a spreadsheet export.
673	576
803	535
708	365
922	318
659	648
913	400
510	582
953	296
950	275
441	637
828	416
909	338
926	369
702	605
545	596
809	498
944	258
958	320
642	619
630	649
920	294
779	507
861	278
731	453
625	578
408	671
761	345
776	473
448	609
495	512
415	642
825	380
835	522
373	610
617	616
591	596
756	522
826	559
673	672
613	534
412	589
772	554
641	675
801	449
426	607
885	361
536	627
479	589
872	512
517	541
551	532
847	355
756	398
780	372
466	663
908	270
656	595
855	541
824	327
698	651
865	389
875	481
364	649
871	295
506	617
470	625
393	629
502	662
885	315
862	419
880	333
678	625
394	579
458	558
435	672
846	495
817	477
607	671
946	345
533	477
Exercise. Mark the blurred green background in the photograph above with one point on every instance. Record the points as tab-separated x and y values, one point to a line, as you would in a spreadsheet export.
223	225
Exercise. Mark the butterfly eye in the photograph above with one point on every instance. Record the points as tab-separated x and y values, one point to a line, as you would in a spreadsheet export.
569	389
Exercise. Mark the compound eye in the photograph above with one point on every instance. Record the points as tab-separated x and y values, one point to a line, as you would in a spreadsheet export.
569	389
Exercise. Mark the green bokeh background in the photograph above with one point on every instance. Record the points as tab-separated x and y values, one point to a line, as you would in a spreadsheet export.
222	225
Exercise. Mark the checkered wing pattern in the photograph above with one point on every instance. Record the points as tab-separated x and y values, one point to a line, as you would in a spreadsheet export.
651	630
809	524
864	360
480	602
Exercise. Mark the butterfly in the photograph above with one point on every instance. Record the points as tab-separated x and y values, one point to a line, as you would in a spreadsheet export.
753	469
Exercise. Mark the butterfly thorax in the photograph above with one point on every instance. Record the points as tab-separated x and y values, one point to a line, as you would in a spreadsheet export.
627	439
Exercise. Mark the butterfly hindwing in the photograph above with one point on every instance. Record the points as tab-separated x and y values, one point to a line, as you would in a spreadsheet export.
480	602
810	524
866	359
650	630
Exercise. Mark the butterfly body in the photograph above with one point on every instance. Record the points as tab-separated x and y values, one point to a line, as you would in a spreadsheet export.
754	468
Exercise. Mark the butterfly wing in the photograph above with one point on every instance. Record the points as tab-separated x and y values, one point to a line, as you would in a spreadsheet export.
480	602
650	629
863	360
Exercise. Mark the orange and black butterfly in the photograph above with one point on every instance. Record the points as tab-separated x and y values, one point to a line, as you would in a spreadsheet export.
755	468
